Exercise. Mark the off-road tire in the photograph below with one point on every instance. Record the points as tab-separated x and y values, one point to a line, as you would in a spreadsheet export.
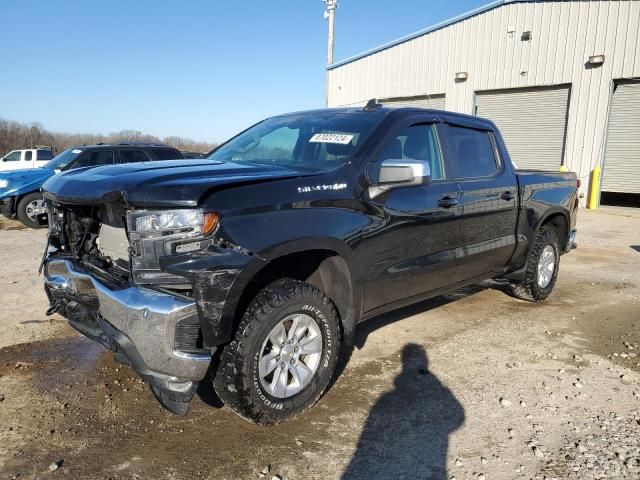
21	210
529	289
236	378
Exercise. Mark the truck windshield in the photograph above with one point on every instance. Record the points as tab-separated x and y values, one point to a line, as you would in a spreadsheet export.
64	159
316	141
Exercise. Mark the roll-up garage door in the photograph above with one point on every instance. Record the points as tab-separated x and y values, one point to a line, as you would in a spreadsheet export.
621	171
424	101
533	122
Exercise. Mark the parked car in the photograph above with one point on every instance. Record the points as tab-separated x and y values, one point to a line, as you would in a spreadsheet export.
22	159
264	257
20	194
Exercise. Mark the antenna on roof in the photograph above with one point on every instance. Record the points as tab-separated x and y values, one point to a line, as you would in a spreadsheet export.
371	105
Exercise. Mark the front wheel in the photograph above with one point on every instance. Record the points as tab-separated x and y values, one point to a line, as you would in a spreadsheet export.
283	355
542	267
28	209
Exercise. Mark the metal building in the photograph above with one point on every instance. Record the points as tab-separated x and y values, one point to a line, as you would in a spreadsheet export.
560	78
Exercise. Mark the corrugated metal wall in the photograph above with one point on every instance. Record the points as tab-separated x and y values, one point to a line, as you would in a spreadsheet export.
564	35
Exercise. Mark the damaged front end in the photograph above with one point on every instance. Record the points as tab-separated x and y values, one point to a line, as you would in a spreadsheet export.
147	284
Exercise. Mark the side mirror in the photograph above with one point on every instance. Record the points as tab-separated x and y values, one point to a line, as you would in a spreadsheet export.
400	173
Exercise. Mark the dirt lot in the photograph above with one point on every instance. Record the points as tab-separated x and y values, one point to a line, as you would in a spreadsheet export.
472	385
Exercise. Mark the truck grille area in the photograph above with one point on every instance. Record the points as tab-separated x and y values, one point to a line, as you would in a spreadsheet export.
100	236
77	231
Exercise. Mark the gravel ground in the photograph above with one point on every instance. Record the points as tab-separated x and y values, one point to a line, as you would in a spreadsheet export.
471	385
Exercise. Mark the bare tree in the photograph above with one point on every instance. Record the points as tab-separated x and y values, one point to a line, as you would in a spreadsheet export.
15	135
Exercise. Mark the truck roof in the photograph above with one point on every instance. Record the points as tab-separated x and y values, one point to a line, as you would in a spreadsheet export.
125	144
383	111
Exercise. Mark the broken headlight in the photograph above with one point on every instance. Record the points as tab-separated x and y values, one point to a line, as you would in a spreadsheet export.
172	221
154	234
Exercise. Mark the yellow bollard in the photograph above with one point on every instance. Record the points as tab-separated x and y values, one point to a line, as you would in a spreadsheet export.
594	188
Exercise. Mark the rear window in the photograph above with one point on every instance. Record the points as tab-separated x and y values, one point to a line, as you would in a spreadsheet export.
133	156
28	155
44	155
165	153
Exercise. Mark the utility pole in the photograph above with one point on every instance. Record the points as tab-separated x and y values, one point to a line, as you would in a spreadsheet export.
330	14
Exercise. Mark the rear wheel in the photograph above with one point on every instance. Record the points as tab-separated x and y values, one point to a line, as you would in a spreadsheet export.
28	209
283	355
542	267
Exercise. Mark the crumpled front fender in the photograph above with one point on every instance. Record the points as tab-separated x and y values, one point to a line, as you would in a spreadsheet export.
218	277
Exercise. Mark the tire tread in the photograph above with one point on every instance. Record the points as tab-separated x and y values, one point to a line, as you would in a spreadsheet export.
528	288
230	381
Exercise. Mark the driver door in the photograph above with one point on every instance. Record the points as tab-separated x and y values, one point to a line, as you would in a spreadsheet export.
413	251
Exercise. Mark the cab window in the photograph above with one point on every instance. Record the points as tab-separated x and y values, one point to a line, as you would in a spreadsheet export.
44	155
133	156
95	159
166	154
473	152
417	142
13	157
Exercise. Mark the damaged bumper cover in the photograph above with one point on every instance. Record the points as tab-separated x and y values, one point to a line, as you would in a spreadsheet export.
138	324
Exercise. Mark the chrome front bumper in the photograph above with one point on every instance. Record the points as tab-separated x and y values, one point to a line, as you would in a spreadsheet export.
139	321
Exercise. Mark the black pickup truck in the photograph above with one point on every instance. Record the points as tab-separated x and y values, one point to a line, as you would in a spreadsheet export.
252	268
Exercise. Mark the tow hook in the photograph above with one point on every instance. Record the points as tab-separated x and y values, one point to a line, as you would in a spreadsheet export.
53	308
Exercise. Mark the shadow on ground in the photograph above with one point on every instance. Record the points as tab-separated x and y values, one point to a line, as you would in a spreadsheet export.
406	434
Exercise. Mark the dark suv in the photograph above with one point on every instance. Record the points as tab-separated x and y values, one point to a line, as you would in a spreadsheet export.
20	189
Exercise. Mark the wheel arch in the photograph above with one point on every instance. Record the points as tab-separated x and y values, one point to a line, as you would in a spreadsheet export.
559	221
324	268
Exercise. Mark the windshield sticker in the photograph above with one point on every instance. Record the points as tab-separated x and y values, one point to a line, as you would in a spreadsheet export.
339	138
76	151
322	188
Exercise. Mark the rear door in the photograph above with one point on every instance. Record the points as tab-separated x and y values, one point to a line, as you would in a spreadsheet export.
488	199
414	251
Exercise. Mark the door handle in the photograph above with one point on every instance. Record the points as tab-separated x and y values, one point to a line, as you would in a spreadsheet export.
447	202
509	195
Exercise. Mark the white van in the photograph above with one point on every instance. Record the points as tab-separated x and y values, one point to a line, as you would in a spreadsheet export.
31	158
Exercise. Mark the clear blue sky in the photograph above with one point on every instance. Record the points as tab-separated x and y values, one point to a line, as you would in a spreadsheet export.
196	68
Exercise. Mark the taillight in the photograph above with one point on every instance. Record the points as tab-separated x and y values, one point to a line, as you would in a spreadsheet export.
578	183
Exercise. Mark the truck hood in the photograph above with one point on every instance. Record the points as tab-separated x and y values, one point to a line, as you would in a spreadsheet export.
170	183
19	182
